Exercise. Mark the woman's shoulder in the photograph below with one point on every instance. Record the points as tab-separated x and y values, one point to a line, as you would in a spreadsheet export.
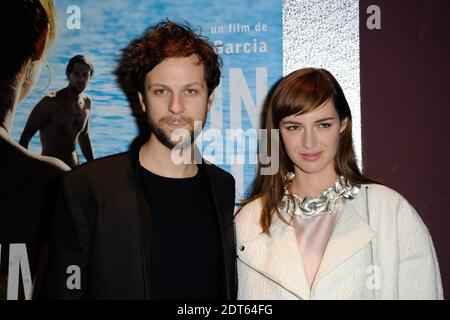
383	194
247	220
252	207
250	212
390	204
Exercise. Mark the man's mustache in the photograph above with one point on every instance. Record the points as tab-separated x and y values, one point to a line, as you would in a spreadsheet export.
177	119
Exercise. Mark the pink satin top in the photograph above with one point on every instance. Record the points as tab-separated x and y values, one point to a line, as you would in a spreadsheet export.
312	238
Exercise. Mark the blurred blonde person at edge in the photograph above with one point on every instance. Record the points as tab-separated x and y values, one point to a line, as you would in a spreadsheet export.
25	176
318	228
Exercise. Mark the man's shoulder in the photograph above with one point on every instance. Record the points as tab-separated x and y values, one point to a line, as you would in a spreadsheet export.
47	101
218	172
109	166
87	99
51	95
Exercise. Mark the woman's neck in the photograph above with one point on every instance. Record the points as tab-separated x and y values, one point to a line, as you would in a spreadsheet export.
312	185
8	99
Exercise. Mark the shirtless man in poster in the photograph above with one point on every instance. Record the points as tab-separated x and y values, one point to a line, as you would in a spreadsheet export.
62	117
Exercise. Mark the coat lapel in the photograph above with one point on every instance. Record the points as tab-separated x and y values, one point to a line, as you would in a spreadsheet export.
277	257
350	235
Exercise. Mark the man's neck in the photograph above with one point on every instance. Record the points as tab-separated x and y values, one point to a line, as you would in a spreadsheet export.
72	94
157	158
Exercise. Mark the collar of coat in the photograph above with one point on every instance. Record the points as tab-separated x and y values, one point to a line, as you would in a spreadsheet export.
277	256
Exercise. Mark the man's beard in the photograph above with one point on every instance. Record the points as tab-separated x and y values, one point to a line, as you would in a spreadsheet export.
78	88
165	139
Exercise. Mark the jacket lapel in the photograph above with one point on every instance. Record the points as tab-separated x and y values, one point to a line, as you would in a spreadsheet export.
215	194
143	211
350	235
276	257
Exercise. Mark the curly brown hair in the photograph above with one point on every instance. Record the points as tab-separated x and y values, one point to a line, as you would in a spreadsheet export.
164	40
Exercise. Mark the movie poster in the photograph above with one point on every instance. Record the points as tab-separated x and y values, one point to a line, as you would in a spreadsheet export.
248	37
370	49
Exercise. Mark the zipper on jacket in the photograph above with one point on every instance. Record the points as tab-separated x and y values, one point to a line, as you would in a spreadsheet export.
372	250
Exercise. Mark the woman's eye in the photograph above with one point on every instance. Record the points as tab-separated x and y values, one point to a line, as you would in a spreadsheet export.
292	128
325	125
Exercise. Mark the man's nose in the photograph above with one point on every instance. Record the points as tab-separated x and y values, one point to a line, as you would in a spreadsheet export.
175	105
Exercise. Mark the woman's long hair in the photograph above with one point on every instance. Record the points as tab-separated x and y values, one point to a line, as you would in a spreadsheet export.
298	93
21	34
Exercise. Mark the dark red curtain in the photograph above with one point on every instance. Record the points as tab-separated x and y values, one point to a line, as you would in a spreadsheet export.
405	106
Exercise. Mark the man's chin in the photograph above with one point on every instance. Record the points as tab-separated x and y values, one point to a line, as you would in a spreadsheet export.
181	142
169	143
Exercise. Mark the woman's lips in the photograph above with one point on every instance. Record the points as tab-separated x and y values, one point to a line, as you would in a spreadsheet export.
311	156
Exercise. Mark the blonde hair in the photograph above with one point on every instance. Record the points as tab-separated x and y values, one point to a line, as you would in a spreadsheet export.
50	10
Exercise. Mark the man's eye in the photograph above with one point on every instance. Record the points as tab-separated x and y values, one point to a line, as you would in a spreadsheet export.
191	91
159	92
325	125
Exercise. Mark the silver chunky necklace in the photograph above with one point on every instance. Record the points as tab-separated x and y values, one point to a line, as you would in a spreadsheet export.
309	207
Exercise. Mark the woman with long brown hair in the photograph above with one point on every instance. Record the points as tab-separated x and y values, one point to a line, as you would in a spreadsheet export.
318	228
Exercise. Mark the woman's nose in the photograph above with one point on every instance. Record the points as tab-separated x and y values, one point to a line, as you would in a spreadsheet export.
309	139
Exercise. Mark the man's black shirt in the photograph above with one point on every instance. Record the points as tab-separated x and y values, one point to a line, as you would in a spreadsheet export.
186	250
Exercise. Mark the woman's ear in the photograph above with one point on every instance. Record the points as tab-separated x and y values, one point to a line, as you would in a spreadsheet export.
142	102
41	44
343	124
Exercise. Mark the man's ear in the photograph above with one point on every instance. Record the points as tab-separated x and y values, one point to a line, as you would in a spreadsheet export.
344	124
211	100
41	44
142	102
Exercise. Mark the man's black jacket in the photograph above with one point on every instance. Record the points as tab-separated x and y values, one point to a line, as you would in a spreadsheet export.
99	231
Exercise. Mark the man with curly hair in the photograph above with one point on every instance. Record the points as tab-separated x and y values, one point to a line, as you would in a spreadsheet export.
139	225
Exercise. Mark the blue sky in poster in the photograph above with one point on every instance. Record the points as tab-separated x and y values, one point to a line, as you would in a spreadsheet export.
108	26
